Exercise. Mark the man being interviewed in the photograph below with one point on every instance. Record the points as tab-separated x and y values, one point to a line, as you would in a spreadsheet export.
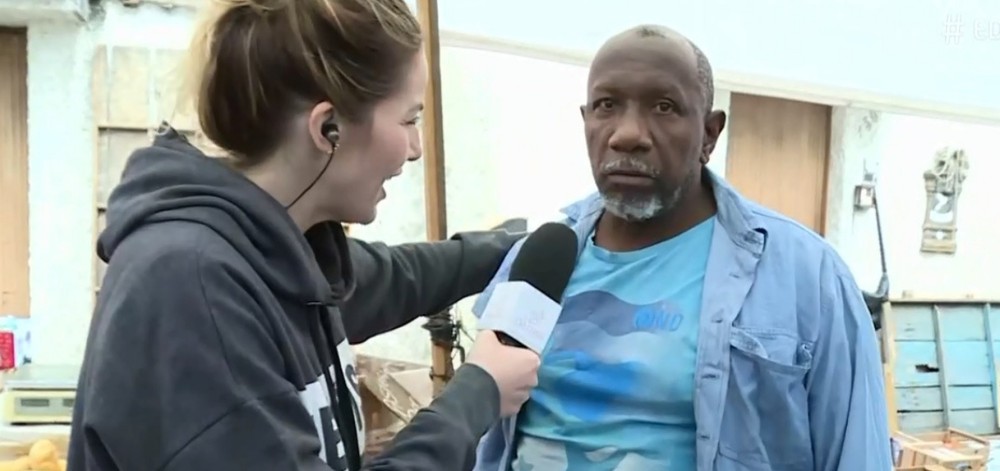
699	331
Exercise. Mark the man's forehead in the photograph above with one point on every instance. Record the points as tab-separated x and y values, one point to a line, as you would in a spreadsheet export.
674	57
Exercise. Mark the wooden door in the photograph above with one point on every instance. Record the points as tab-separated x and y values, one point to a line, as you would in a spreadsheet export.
778	154
13	172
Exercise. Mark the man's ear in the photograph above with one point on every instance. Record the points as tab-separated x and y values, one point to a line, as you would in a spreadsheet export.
715	122
583	111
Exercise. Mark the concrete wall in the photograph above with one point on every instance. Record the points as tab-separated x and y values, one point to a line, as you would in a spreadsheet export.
511	125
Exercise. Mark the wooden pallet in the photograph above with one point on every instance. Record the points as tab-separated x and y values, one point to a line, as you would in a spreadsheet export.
949	450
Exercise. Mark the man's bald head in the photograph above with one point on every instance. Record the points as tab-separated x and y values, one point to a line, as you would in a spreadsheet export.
668	38
649	122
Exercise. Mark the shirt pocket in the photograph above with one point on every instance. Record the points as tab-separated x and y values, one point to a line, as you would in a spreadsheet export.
765	421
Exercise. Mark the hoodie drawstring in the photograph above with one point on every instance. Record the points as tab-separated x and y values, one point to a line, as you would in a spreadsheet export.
321	331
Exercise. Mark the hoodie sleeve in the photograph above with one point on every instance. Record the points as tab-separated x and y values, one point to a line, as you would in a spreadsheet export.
189	339
444	435
398	284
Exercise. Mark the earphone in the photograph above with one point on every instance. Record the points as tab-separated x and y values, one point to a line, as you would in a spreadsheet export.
331	132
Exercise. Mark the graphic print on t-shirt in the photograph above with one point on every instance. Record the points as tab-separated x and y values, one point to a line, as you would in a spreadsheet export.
316	399
616	386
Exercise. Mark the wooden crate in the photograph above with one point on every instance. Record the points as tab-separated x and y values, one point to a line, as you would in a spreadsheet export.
940	361
961	441
949	450
924	454
388	400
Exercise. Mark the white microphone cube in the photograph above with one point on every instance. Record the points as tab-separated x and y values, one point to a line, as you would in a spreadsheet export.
525	314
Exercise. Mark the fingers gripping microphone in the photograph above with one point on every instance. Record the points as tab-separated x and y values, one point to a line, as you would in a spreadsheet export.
524	309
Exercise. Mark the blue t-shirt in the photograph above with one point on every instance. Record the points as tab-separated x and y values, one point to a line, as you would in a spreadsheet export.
616	387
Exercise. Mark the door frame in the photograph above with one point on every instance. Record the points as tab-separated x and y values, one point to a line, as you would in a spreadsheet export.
18	122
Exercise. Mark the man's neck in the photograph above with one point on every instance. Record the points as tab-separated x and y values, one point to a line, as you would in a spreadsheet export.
620	235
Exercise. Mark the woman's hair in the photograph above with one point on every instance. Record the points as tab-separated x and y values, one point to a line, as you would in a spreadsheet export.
253	64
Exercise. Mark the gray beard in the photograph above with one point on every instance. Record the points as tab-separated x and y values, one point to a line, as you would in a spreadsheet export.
640	208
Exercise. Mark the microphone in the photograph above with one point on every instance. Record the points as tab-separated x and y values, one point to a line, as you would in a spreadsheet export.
524	310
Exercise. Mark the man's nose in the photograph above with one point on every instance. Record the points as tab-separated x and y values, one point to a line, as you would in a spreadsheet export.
631	134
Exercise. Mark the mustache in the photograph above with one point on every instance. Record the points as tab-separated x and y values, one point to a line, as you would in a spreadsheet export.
629	164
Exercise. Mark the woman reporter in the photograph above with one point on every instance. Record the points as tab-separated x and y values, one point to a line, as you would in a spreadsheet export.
221	335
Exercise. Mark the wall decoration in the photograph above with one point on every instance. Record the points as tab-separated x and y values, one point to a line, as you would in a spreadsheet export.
943	183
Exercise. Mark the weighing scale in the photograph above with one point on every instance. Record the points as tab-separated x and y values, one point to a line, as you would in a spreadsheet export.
39	394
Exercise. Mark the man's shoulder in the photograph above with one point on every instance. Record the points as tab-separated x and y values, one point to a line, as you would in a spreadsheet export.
797	244
802	269
786	228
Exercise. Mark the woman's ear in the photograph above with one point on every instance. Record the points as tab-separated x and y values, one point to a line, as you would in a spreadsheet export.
322	123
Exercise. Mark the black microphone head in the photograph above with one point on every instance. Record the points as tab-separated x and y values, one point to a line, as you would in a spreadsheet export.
547	259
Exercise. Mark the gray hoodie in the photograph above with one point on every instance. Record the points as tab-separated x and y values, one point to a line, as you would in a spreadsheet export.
222	333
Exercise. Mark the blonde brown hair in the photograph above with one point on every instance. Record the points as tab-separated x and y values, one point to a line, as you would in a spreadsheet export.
254	63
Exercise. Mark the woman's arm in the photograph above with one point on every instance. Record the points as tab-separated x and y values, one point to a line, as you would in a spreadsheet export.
182	373
397	284
444	436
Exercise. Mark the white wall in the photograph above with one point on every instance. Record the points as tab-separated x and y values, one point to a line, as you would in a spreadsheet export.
940	51
898	149
60	189
511	124
22	12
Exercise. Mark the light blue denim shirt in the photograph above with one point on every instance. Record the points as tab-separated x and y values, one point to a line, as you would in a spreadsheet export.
789	375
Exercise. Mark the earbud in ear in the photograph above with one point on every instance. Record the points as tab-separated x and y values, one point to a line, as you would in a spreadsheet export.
331	132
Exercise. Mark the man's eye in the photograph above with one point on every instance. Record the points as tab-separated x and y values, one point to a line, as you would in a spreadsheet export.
664	107
604	104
